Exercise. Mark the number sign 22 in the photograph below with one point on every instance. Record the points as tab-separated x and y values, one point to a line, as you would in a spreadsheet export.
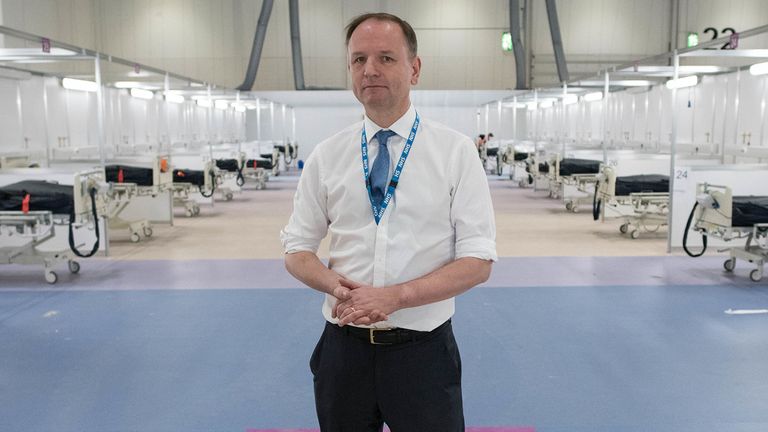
714	32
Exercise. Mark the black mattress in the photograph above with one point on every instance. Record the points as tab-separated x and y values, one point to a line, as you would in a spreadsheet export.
43	196
521	156
626	185
195	177
230	165
266	156
280	148
492	151
749	210
129	174
571	166
544	167
258	163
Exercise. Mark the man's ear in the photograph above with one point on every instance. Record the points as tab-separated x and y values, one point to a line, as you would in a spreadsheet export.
415	70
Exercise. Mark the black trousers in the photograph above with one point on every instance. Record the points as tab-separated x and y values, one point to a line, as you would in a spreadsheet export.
414	386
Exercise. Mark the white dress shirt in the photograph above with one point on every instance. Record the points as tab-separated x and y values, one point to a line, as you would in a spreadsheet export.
441	211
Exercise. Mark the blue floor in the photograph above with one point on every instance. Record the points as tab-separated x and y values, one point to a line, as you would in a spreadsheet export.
558	358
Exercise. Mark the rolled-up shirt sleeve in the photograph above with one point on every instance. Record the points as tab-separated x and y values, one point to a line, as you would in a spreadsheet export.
471	208
308	224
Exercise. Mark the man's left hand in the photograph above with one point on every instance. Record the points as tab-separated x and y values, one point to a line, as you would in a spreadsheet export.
366	303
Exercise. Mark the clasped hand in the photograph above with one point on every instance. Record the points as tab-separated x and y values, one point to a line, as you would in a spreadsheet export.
362	304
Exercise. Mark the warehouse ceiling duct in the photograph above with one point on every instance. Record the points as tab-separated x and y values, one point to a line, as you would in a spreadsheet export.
258	44
517	44
298	66
557	41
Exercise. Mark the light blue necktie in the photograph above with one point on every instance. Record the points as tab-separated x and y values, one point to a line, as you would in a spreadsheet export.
380	169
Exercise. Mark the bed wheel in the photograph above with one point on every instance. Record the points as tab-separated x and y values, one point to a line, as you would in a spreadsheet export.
756	275
135	237
260	185
190	212
624	228
51	277
575	209
74	267
147	231
635	234
569	206
521	183
229	196
729	264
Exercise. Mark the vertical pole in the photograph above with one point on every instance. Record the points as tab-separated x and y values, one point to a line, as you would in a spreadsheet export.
209	117
258	119
487	115
736	113
20	114
47	125
271	120
498	112
606	93
283	129
725	120
166	90
514	120
100	109
293	123
672	151
762	113
565	117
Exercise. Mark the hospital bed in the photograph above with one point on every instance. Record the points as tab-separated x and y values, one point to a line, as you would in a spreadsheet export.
257	169
573	180
642	201
187	182
31	211
516	161
131	182
719	214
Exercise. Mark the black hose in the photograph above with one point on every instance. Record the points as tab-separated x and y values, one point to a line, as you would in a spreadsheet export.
213	188
72	246
596	203
685	235
240	179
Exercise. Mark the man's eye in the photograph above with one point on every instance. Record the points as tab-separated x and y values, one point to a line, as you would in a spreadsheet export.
358	60
387	59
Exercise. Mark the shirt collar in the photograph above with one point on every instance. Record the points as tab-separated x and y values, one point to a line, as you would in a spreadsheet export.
401	127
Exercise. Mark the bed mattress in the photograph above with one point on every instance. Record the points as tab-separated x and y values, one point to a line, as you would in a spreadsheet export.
40	195
626	185
129	174
570	166
749	210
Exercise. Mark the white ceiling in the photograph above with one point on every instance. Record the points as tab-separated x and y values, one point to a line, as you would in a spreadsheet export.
340	98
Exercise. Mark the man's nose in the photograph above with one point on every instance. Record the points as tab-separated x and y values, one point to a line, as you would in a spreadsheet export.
370	68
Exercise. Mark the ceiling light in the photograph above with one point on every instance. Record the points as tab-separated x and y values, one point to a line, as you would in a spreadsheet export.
594	96
688	81
76	84
205	103
221	104
759	69
570	99
174	98
142	94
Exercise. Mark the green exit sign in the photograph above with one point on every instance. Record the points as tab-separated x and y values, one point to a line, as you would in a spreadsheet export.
506	41
692	40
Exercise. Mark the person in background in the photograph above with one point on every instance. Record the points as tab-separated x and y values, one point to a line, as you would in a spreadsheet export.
406	237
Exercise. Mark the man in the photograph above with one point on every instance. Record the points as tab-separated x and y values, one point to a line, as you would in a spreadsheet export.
397	260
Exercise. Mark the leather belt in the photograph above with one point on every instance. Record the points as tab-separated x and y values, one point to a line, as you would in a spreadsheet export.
393	336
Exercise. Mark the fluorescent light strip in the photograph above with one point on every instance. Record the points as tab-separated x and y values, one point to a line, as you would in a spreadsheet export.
142	94
759	69
205	103
688	81
81	85
174	98
222	104
570	99
594	96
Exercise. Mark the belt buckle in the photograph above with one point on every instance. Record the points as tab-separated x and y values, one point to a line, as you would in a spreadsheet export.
371	332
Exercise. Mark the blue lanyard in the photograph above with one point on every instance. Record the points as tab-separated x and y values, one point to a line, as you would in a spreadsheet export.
378	211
